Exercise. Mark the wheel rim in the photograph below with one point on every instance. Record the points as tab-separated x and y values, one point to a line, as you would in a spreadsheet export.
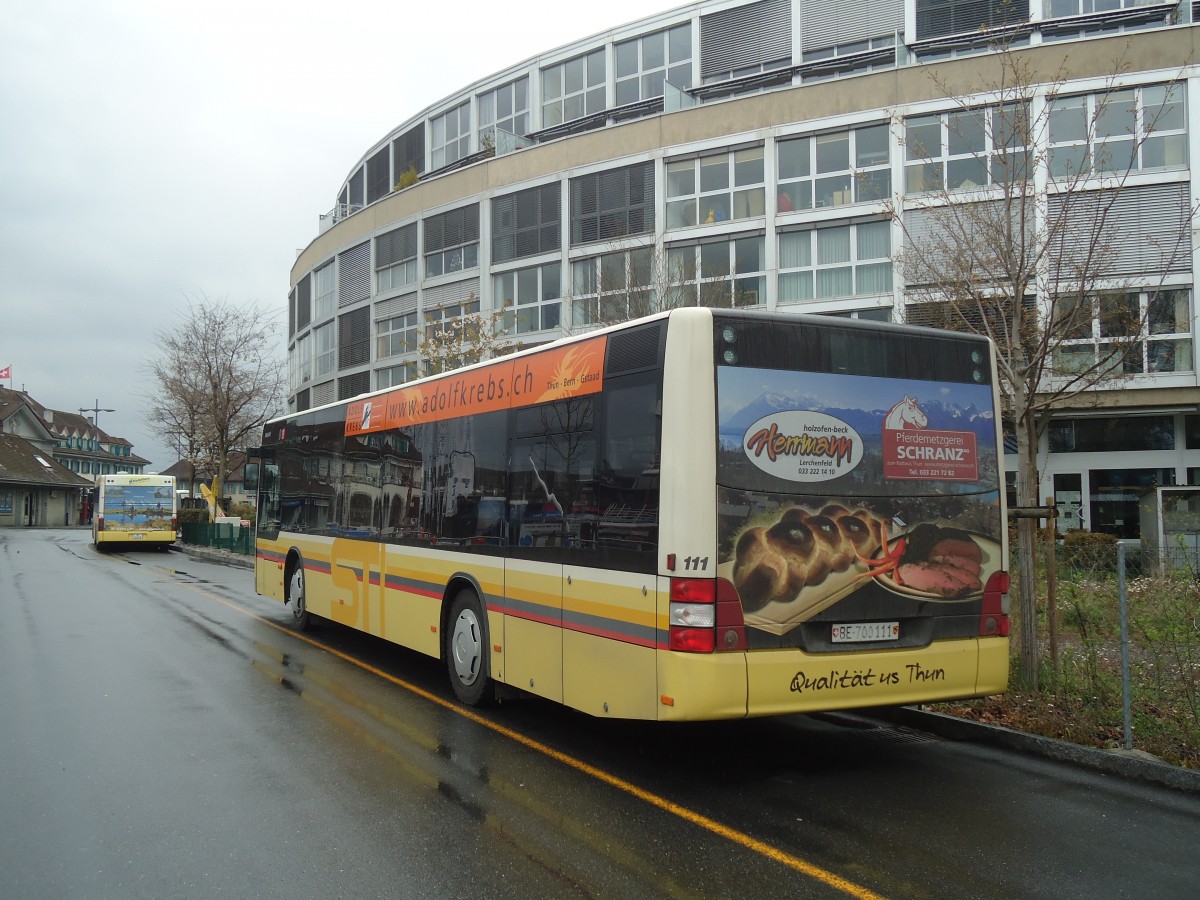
296	593
466	646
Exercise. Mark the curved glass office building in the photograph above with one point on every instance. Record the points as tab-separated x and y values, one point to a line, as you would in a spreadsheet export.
778	154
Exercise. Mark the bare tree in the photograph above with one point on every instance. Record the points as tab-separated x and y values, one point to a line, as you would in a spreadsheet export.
176	408
1017	227
218	378
627	282
459	334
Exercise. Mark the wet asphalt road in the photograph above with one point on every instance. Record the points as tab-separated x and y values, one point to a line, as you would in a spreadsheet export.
162	734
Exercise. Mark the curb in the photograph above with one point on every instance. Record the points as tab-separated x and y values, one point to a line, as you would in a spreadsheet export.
209	554
1121	763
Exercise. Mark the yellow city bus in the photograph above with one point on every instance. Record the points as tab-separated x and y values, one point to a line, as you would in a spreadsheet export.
704	514
134	509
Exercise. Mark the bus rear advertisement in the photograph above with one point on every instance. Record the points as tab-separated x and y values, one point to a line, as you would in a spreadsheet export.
135	509
704	514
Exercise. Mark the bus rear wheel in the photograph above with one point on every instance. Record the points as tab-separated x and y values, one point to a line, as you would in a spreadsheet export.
296	599
467	651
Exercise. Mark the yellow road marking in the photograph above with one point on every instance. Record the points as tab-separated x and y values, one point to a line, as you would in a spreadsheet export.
740	838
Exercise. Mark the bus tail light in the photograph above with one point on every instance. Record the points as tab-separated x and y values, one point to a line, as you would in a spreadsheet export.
993	619
99	523
705	616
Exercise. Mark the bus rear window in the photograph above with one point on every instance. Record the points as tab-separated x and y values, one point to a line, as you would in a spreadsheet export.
813	344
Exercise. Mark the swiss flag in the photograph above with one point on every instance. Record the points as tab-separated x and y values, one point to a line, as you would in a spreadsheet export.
6	372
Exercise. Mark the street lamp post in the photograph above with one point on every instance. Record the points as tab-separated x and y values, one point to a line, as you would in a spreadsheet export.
97	409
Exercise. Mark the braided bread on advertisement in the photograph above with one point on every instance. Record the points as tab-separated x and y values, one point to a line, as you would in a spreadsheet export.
772	564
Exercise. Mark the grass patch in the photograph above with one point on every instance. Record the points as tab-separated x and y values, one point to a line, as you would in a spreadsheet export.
1080	699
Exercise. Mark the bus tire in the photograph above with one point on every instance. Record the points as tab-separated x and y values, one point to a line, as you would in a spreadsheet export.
467	651
295	597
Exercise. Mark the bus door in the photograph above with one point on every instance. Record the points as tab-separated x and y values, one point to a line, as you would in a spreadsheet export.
533	576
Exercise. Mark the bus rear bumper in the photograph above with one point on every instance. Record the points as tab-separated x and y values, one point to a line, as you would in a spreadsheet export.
794	681
781	682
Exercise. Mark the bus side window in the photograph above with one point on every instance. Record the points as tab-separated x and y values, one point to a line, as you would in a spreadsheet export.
627	496
270	514
551	497
359	505
459	480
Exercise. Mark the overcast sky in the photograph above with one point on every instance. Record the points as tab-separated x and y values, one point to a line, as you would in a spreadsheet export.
154	152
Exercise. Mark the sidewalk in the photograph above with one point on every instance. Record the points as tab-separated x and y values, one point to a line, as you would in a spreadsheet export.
1125	764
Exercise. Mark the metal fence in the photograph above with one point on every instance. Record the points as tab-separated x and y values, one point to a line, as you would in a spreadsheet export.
222	536
1126	645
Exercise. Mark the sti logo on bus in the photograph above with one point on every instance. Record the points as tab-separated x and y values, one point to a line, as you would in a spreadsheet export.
799	445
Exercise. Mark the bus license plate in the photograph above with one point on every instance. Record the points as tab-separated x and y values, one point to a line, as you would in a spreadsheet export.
136	536
859	632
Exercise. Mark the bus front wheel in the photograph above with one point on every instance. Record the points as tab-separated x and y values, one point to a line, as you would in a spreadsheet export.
467	651
295	597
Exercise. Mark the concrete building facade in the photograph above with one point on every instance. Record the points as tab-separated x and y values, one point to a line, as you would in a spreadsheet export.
763	155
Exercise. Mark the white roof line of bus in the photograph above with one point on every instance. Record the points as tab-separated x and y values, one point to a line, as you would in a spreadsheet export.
570	339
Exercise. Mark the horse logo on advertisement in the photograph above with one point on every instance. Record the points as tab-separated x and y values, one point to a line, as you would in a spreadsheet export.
906	414
912	451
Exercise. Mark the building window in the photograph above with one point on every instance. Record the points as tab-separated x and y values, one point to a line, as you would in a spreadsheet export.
300	362
354	338
354	274
394	376
715	188
441	318
1057	9
967	148
866	55
613	203
396	259
614	287
304	357
745	40
452	241
573	89
834	169
1129	333
352	385
450	138
842	261
303	302
718	274
527	223
530	298
942	18
397	335
506	108
1118	131
325	290
644	64
324	349
379	170
871	314
1112	434
356	194
1191	432
408	152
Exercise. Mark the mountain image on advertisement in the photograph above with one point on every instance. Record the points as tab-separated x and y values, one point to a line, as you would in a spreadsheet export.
868	423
